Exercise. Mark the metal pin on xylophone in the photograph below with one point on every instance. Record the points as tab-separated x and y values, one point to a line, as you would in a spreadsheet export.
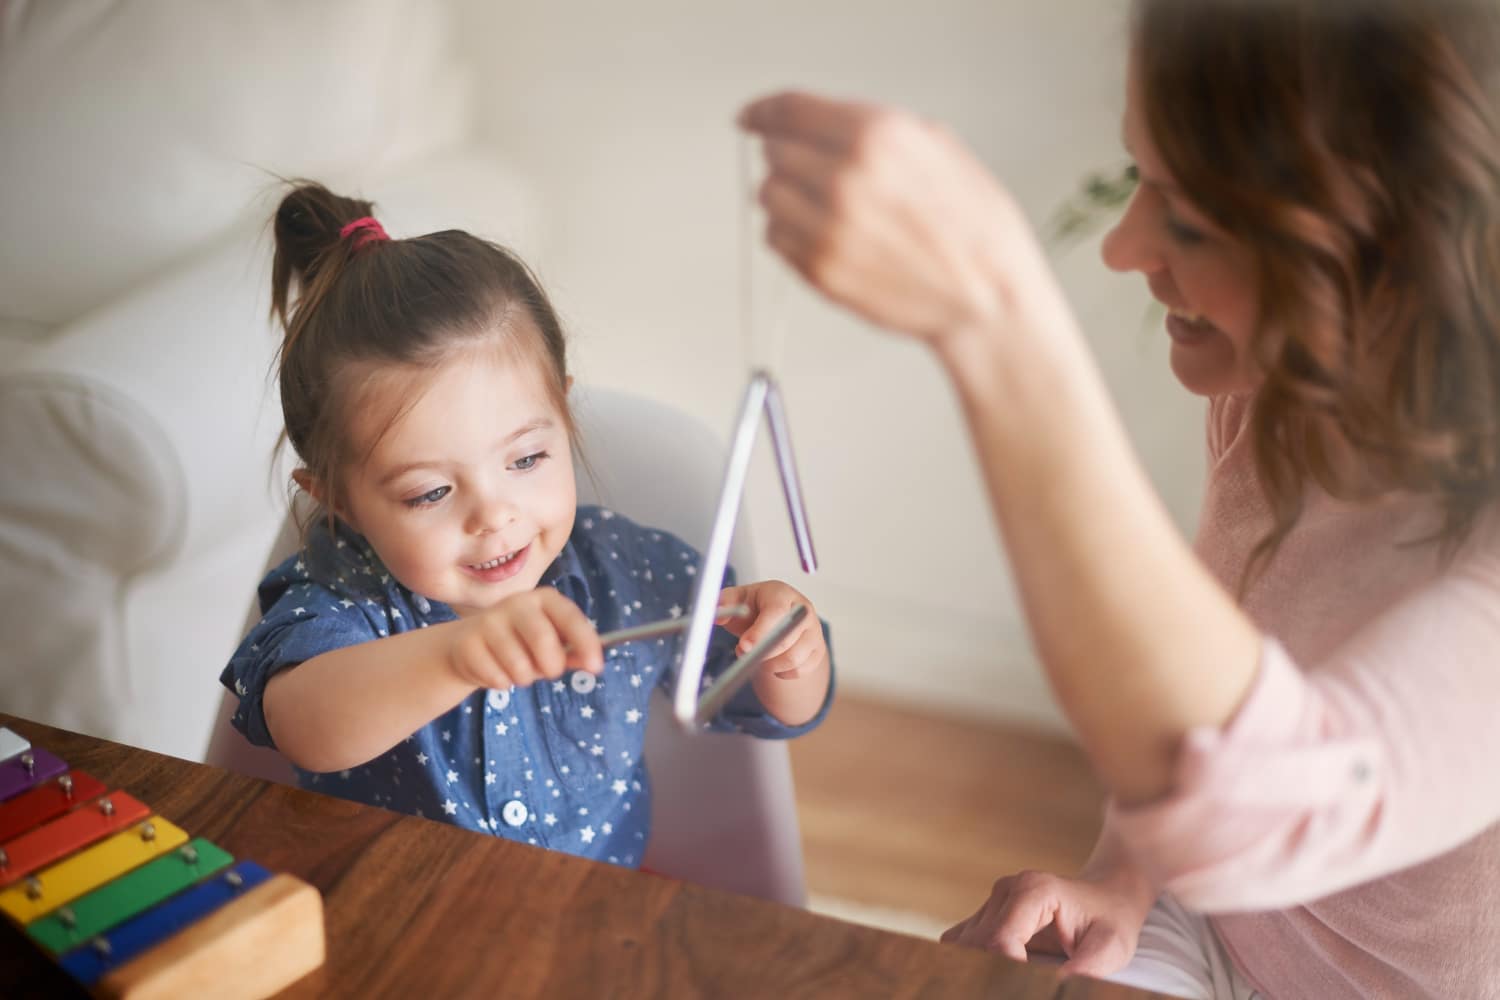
130	906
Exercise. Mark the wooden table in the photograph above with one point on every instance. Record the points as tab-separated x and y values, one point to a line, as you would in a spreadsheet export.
418	908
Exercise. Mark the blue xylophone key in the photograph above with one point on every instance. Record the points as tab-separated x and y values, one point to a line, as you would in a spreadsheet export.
28	769
90	962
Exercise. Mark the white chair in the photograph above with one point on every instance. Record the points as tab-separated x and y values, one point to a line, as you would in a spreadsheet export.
724	813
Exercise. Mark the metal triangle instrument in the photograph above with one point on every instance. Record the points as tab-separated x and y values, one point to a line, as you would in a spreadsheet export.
692	709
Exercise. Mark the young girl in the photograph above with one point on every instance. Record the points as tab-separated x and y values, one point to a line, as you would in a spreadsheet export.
434	647
1295	718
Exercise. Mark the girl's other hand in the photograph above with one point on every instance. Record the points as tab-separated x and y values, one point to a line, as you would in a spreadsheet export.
890	215
1095	924
800	652
525	638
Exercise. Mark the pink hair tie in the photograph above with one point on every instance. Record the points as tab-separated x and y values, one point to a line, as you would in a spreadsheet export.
369	230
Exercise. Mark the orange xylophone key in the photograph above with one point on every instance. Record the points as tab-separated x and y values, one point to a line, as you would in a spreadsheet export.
109	814
45	802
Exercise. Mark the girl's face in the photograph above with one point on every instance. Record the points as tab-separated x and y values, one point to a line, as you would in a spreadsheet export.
1201	274
469	495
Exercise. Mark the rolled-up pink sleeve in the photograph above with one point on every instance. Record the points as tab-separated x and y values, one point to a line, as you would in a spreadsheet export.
1382	756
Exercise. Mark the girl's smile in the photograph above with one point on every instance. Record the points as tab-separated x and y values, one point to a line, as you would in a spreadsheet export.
501	567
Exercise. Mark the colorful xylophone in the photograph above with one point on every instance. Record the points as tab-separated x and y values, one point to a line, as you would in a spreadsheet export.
128	905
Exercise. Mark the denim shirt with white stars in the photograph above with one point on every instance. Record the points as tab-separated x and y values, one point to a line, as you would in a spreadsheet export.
557	764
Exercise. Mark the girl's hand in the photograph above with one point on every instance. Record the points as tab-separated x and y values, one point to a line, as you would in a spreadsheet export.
1094	923
523	639
891	215
800	652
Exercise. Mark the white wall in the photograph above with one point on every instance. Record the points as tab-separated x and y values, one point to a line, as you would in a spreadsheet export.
622	117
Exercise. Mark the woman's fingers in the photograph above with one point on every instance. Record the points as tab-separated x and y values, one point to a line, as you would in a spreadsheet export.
953	933
807	168
1014	914
825	122
1099	950
889	215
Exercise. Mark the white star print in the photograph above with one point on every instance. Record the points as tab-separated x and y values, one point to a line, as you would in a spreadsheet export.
422	758
450	807
635	680
447	736
347	603
490	777
633	715
675	611
558	686
618	786
550	819
596	750
501	729
587	711
299	611
452	777
608	828
587	833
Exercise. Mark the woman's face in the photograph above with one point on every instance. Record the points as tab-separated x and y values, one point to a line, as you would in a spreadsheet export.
1201	274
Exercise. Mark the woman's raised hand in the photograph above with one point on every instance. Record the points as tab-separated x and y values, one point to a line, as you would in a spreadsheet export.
891	216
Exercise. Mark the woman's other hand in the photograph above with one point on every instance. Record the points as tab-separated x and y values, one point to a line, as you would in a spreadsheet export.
1094	923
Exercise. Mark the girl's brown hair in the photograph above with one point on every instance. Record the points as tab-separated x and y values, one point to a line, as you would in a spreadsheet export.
363	303
1353	146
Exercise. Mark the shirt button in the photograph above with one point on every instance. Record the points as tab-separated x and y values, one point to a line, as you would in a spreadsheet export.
583	682
514	813
498	699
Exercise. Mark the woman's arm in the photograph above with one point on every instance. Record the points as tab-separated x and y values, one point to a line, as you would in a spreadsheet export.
1139	642
895	219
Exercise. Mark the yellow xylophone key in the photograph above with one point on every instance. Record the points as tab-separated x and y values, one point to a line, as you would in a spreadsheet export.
88	869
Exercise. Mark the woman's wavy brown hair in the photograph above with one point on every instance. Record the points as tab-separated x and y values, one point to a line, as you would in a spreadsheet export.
351	305
1354	146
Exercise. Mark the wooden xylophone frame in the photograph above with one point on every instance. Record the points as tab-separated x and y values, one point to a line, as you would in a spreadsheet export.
123	904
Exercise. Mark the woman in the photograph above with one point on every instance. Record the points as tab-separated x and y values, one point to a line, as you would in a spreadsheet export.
1295	718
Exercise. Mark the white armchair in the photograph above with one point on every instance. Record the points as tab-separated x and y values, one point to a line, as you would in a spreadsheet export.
137	418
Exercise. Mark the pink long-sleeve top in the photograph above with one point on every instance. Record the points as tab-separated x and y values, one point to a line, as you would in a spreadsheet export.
1344	826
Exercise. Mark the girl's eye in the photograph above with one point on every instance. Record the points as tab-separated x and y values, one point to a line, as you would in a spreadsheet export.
430	497
1183	233
529	462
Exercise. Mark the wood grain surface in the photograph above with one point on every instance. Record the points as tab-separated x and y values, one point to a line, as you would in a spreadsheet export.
418	908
